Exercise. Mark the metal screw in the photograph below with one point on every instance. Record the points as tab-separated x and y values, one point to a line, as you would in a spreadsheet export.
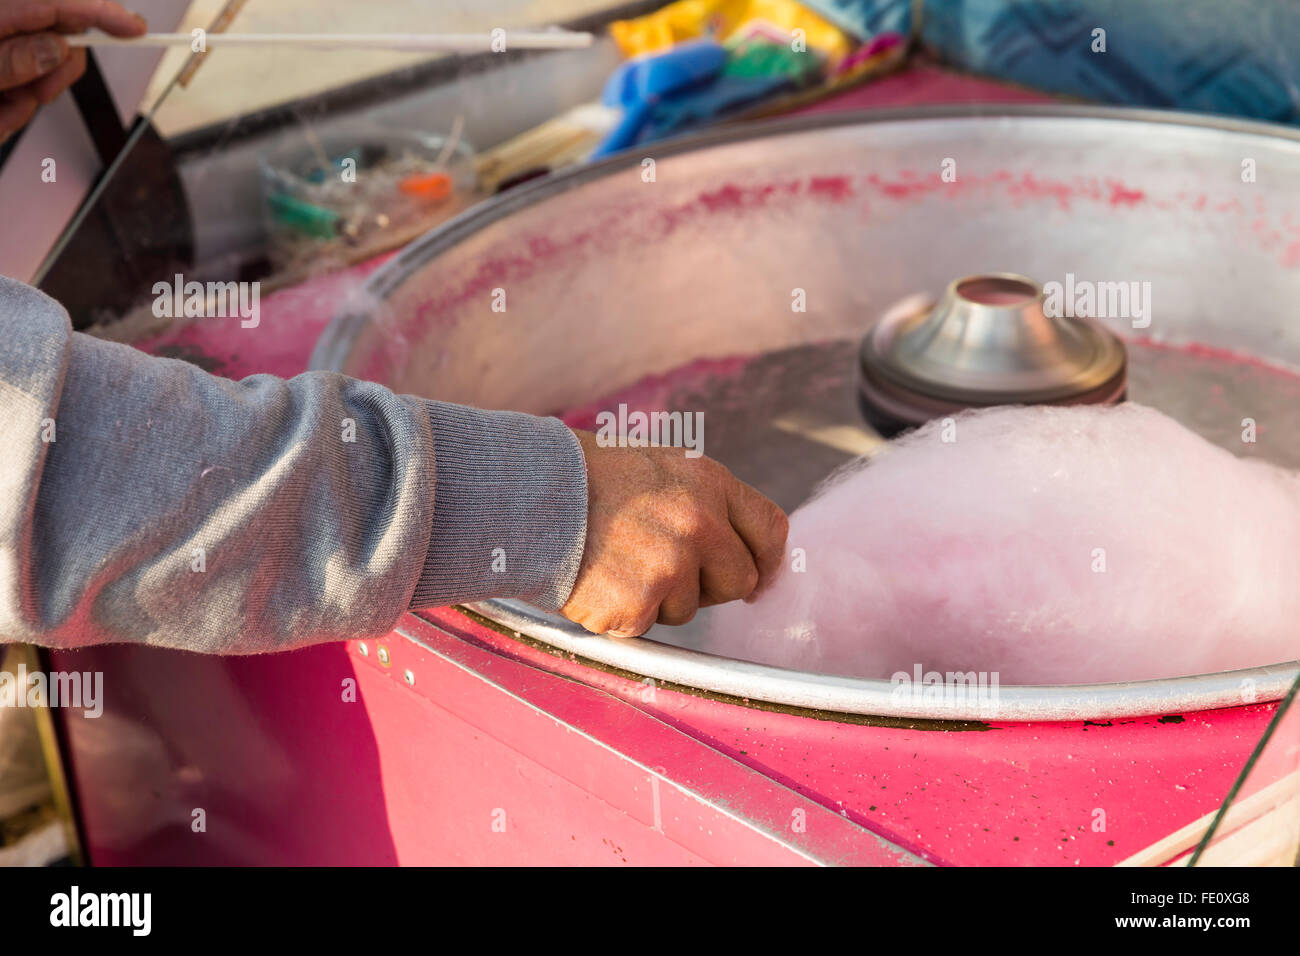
365	651
410	677
383	654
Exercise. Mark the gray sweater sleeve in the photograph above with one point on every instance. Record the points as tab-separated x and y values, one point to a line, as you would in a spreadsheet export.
144	500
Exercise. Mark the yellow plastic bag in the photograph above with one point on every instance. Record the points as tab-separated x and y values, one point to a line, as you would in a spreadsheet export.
718	19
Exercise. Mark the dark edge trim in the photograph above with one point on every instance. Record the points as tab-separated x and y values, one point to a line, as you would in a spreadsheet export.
99	112
7	147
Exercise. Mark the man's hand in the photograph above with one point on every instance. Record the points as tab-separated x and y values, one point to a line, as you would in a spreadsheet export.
36	65
667	535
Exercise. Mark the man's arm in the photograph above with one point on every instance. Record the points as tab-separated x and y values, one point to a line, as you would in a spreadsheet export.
144	500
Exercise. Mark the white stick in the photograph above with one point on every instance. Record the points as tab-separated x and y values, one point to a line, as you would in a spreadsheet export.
412	42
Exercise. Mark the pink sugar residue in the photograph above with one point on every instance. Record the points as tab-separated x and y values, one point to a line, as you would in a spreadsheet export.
831	187
1291	255
909	184
1214	353
527	254
290	320
655	393
1121	195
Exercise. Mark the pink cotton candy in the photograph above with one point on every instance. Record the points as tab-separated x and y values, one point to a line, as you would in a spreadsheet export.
1045	545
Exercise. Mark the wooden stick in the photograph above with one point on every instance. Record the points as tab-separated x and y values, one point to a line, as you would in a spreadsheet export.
225	16
402	42
1270	840
1242	811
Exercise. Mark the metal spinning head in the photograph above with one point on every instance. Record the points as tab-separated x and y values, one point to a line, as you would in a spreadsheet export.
986	342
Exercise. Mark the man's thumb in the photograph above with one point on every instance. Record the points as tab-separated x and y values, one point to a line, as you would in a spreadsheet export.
27	58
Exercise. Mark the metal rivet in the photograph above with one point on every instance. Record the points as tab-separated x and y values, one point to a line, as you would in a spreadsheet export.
410	677
365	651
383	654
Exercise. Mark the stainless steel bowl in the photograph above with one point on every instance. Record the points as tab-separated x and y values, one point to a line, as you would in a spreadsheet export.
611	276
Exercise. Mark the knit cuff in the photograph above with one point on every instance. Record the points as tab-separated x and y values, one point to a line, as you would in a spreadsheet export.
509	508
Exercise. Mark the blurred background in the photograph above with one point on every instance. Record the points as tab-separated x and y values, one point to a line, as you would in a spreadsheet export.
216	163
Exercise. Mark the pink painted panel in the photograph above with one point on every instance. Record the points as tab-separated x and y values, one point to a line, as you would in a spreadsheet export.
557	793
648	749
285	769
282	769
1035	794
285	766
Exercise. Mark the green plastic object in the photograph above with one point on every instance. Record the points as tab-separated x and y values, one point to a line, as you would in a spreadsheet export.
304	217
762	58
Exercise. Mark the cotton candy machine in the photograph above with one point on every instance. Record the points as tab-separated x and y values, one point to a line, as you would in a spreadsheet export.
735	274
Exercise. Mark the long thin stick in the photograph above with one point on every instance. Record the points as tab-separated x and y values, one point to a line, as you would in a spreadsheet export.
413	42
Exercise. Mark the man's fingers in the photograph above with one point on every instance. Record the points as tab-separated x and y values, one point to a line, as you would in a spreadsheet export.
667	536
16	109
76	16
69	16
623	608
27	58
728	573
47	88
636	610
635	629
680	604
35	62
762	525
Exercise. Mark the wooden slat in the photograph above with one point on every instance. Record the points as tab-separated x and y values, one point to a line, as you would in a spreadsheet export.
1276	800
